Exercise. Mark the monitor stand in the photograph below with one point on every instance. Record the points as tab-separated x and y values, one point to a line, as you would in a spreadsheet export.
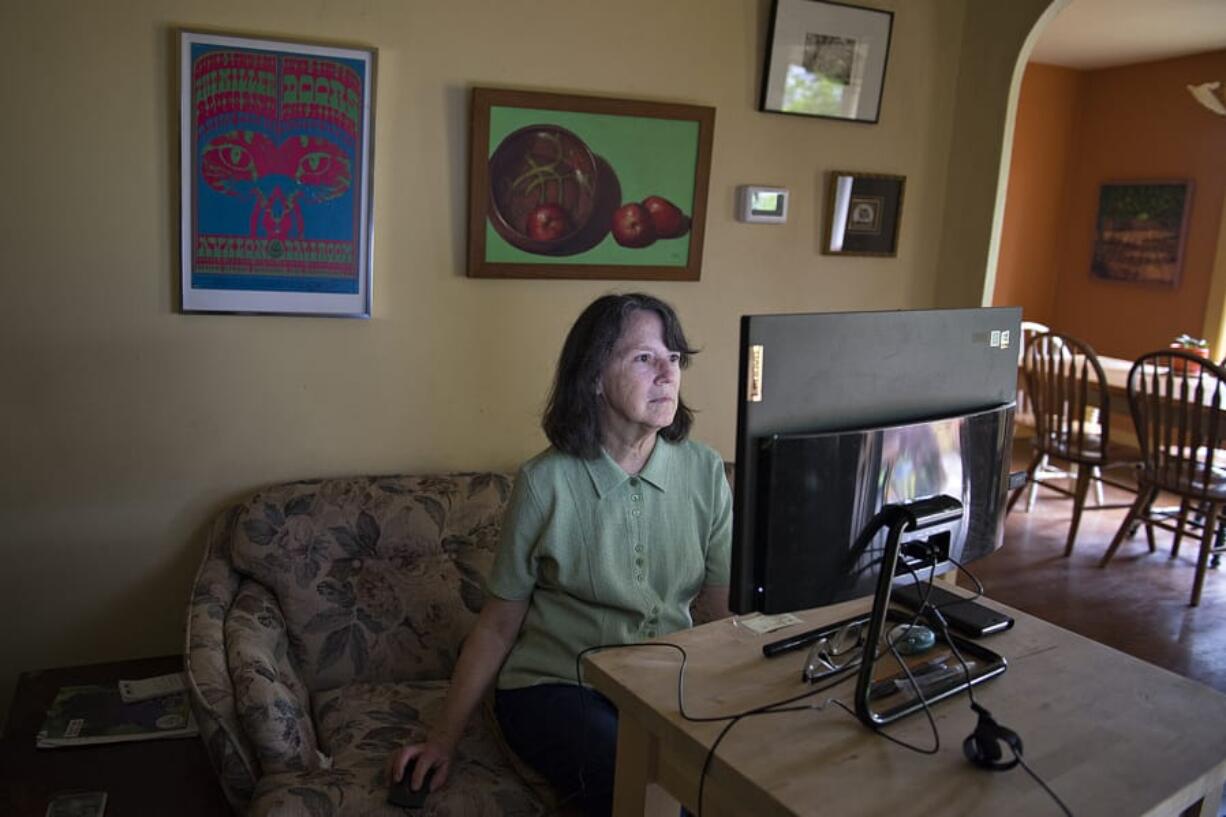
910	523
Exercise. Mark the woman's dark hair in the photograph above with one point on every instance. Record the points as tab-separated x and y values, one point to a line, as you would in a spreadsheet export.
572	415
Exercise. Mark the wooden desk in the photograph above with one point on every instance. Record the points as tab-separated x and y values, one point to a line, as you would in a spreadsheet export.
1110	734
150	777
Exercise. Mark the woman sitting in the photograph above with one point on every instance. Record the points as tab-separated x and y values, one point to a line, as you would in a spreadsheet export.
611	535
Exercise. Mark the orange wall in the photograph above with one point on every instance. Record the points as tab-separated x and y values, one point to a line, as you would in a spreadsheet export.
1140	122
1043	140
1135	122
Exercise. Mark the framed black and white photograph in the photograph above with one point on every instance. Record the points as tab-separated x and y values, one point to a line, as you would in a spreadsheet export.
276	143
864	213
826	59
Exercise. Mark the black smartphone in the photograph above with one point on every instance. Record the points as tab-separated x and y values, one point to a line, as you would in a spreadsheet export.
970	618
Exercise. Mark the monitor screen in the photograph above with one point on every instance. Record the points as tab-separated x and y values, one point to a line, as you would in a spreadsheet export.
825	404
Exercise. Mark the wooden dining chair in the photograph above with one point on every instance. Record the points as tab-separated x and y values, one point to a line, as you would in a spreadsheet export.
1178	405
1072	415
1023	418
1024	414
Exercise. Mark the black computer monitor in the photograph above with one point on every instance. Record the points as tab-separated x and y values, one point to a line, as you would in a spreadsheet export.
833	408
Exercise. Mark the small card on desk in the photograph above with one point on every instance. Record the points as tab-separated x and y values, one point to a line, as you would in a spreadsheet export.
77	804
767	624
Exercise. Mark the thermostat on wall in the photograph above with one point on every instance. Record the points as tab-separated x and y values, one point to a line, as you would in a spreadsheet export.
767	205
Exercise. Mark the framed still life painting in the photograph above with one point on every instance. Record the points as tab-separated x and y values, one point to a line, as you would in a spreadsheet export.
275	153
564	186
826	59
1141	230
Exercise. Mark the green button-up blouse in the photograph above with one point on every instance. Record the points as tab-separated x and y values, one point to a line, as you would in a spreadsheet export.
606	558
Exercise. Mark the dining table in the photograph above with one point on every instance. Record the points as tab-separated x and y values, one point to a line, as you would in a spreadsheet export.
1123	432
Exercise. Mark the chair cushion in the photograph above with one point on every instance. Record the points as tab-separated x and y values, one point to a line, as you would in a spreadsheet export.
359	725
377	577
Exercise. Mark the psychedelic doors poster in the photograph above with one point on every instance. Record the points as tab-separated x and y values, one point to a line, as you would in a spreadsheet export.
276	177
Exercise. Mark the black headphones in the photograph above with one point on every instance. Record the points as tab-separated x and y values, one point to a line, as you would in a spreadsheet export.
983	746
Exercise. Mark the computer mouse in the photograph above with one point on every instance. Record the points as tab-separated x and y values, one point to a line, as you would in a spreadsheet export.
912	639
401	794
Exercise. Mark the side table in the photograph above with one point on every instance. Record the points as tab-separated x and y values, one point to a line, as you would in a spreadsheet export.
149	778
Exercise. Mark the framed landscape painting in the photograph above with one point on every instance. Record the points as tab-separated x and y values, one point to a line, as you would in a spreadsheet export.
564	186
1140	231
275	162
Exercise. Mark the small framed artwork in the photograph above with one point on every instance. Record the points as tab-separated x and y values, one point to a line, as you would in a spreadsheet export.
1140	231
275	163
826	59
865	210
564	186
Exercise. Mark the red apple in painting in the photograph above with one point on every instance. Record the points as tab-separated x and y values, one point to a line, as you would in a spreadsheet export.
666	217
548	222
632	226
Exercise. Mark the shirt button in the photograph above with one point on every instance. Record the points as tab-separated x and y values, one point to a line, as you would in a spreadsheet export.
639	548
635	497
639	561
635	512
638	576
634	481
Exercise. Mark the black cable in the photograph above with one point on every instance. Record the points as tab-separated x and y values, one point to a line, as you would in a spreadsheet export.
940	619
706	762
787	704
1022	761
970	687
733	718
765	709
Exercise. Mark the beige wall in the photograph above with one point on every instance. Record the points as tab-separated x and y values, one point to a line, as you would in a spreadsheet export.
125	426
996	39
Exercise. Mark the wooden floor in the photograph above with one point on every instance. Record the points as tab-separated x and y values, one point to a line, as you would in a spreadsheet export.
1138	603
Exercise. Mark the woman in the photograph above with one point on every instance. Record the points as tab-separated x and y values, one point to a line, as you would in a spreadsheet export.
611	534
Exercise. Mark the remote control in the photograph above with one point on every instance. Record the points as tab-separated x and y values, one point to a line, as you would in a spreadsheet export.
147	688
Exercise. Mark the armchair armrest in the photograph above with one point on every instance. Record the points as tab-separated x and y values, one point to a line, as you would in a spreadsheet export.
210	690
273	704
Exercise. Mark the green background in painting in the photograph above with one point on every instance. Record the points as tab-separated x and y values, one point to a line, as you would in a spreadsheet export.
652	157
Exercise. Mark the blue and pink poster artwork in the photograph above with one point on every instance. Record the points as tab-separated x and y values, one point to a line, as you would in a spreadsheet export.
276	176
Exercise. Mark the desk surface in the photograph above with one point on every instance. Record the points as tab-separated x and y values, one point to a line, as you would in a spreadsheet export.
151	777
1110	734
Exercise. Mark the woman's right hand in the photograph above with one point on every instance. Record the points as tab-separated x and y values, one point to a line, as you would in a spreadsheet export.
480	657
433	754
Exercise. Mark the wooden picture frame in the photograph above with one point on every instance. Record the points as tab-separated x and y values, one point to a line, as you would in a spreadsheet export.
276	144
863	213
565	186
826	60
1140	231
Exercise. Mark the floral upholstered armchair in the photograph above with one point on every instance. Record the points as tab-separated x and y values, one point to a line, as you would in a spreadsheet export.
325	621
